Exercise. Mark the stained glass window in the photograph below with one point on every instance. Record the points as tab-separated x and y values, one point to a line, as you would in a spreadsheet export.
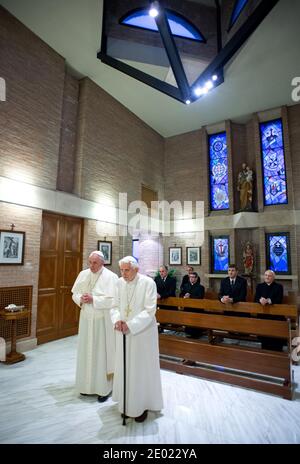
180	27
218	155
278	253
238	7
274	173
220	254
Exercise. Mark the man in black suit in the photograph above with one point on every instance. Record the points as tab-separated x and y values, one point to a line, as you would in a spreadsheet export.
233	288
166	285
267	293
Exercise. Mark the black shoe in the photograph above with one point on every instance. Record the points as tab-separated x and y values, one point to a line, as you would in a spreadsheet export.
142	417
101	399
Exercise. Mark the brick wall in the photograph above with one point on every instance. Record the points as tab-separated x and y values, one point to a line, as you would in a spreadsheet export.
27	220
67	151
30	119
116	151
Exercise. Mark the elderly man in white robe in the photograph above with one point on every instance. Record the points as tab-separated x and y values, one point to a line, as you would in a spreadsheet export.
95	292
135	318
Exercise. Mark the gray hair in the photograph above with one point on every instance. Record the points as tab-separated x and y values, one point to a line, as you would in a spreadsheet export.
129	260
98	253
272	272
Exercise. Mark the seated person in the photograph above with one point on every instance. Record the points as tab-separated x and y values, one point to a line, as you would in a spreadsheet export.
193	290
233	288
166	285
185	279
267	293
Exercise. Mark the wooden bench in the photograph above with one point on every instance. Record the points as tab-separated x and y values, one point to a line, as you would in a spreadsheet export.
246	366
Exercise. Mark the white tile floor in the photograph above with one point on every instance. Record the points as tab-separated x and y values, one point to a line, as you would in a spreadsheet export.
38	405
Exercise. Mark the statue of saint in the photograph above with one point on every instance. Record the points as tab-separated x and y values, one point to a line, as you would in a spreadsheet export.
245	187
248	258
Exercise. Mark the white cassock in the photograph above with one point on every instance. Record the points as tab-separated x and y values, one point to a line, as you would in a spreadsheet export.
138	301
96	336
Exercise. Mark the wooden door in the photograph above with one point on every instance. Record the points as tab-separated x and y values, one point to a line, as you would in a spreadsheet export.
60	263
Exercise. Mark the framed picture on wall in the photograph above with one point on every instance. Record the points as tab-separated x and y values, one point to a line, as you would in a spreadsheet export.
278	257
193	256
220	254
12	245
106	249
175	256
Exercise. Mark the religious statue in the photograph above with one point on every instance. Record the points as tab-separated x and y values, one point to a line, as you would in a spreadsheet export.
245	187
248	258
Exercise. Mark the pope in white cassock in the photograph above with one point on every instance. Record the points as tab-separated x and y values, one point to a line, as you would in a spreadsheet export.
95	291
135	317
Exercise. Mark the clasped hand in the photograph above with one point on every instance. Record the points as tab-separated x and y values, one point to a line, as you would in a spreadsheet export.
121	326
86	298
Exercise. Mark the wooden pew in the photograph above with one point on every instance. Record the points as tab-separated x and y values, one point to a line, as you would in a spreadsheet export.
246	366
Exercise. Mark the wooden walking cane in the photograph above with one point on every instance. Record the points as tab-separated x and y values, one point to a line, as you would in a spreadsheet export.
124	378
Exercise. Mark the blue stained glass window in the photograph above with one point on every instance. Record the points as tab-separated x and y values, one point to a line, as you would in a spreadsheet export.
238	7
218	155
278	256
220	254
274	173
179	26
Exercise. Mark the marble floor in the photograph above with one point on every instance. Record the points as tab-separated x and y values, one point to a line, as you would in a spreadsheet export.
38	405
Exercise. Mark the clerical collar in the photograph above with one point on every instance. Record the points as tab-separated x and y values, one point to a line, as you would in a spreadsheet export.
98	273
134	281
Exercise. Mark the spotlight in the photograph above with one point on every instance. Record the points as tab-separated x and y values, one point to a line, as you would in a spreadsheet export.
153	12
215	77
209	85
188	102
198	91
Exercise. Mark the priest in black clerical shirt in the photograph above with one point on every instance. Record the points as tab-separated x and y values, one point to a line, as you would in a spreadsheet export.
267	293
193	289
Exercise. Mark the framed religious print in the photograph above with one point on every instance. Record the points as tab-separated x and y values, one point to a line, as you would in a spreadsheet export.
193	256
278	256
175	256
219	254
12	245
106	249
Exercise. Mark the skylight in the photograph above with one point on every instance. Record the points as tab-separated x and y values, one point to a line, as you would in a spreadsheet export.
180	27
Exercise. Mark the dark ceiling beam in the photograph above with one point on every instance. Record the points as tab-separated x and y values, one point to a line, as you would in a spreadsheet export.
237	40
157	84
173	55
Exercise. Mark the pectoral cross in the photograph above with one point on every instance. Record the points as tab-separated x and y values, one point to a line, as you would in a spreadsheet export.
127	311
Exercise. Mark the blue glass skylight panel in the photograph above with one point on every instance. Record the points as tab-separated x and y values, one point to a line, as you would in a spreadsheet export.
179	26
238	7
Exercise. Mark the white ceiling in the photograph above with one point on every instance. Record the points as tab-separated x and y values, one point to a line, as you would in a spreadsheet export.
258	78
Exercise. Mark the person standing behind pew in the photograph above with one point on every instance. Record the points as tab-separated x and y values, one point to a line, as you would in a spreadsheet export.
166	285
233	288
267	293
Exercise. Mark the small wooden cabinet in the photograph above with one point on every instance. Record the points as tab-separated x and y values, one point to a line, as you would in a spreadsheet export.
14	356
